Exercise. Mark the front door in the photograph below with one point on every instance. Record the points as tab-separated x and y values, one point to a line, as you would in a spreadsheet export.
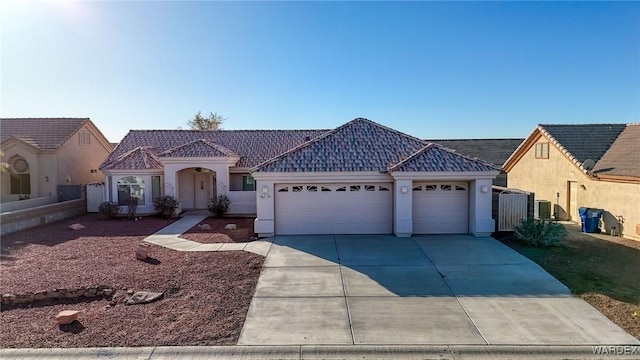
203	190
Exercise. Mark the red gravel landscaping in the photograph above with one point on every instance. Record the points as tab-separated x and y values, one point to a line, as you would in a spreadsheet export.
206	294
218	234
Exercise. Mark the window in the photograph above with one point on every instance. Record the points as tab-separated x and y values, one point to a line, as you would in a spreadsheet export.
542	151
383	188
417	188
130	186
284	189
296	188
248	183
312	188
20	184
341	189
460	188
85	138
369	188
445	187
322	188
355	187
155	187
431	187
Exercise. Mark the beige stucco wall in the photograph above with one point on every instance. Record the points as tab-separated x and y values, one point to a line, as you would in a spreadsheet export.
546	177
76	161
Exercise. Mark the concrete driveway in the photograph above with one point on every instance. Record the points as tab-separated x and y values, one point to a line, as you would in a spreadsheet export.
453	289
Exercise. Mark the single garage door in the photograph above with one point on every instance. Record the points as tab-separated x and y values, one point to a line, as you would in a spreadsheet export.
441	208
333	208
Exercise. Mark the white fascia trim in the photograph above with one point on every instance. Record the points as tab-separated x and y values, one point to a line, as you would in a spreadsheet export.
133	172
199	161
239	170
466	175
322	177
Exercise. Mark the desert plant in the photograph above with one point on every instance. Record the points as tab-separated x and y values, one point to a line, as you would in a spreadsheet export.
219	205
540	233
109	208
132	206
165	206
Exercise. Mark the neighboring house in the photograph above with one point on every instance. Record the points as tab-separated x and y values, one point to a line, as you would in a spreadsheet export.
361	177
574	166
46	152
494	151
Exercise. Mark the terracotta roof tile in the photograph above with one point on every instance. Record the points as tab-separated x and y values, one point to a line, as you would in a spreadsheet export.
437	158
253	146
138	158
198	148
359	145
495	151
42	133
623	157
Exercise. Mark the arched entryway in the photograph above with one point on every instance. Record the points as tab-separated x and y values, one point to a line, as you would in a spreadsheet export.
196	187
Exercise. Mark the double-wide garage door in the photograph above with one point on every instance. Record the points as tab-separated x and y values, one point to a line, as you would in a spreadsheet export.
354	208
441	208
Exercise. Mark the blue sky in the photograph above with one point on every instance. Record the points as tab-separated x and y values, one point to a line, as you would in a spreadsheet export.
431	69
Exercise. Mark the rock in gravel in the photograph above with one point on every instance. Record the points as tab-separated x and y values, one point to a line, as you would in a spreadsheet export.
76	226
231	227
143	297
142	251
65	317
204	227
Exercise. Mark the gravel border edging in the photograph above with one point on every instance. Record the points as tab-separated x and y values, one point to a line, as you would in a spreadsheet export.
31	297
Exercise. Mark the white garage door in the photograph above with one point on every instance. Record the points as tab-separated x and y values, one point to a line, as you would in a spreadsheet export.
333	209
441	208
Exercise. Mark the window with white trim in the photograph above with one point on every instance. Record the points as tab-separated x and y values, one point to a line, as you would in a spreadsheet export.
542	150
131	186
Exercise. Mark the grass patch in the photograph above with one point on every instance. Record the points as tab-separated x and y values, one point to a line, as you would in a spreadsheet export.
603	270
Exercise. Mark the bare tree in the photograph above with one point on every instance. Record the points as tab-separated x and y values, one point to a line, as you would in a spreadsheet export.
211	123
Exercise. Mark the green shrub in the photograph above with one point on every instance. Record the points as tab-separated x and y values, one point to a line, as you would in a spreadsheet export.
132	206
219	205
540	233
109	208
165	206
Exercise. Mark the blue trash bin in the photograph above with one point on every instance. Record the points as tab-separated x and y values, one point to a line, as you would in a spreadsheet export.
593	220
583	218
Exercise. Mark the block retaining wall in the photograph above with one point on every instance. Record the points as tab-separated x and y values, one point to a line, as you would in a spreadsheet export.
31	297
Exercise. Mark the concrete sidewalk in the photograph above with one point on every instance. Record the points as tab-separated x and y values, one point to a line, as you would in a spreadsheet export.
331	352
169	237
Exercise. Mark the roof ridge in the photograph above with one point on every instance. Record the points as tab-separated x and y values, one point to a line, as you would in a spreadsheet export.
210	143
443	148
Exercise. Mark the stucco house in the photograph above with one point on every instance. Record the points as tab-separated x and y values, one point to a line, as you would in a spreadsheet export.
359	178
46	152
574	166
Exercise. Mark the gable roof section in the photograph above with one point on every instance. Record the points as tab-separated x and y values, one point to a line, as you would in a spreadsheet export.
494	151
198	148
589	141
253	146
577	142
359	145
141	158
623	157
437	158
42	133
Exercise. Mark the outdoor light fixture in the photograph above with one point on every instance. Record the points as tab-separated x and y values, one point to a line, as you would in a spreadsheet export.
484	188
404	189
265	192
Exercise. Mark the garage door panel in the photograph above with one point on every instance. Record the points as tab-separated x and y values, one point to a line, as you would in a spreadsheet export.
441	208
322	209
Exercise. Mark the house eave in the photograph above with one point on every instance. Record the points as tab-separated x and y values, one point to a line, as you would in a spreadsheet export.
360	176
445	175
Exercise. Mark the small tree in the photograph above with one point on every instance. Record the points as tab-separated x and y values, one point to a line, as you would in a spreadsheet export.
132	206
219	205
199	122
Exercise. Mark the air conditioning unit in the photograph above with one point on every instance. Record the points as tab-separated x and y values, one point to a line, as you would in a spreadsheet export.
542	209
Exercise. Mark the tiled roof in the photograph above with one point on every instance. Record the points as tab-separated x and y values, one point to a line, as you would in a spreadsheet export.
623	157
42	133
437	158
495	151
584	141
198	148
254	146
139	158
359	145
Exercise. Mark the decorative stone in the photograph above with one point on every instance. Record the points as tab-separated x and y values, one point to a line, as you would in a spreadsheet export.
8	298
204	227
143	297
142	251
76	226
40	295
107	292
65	317
231	227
